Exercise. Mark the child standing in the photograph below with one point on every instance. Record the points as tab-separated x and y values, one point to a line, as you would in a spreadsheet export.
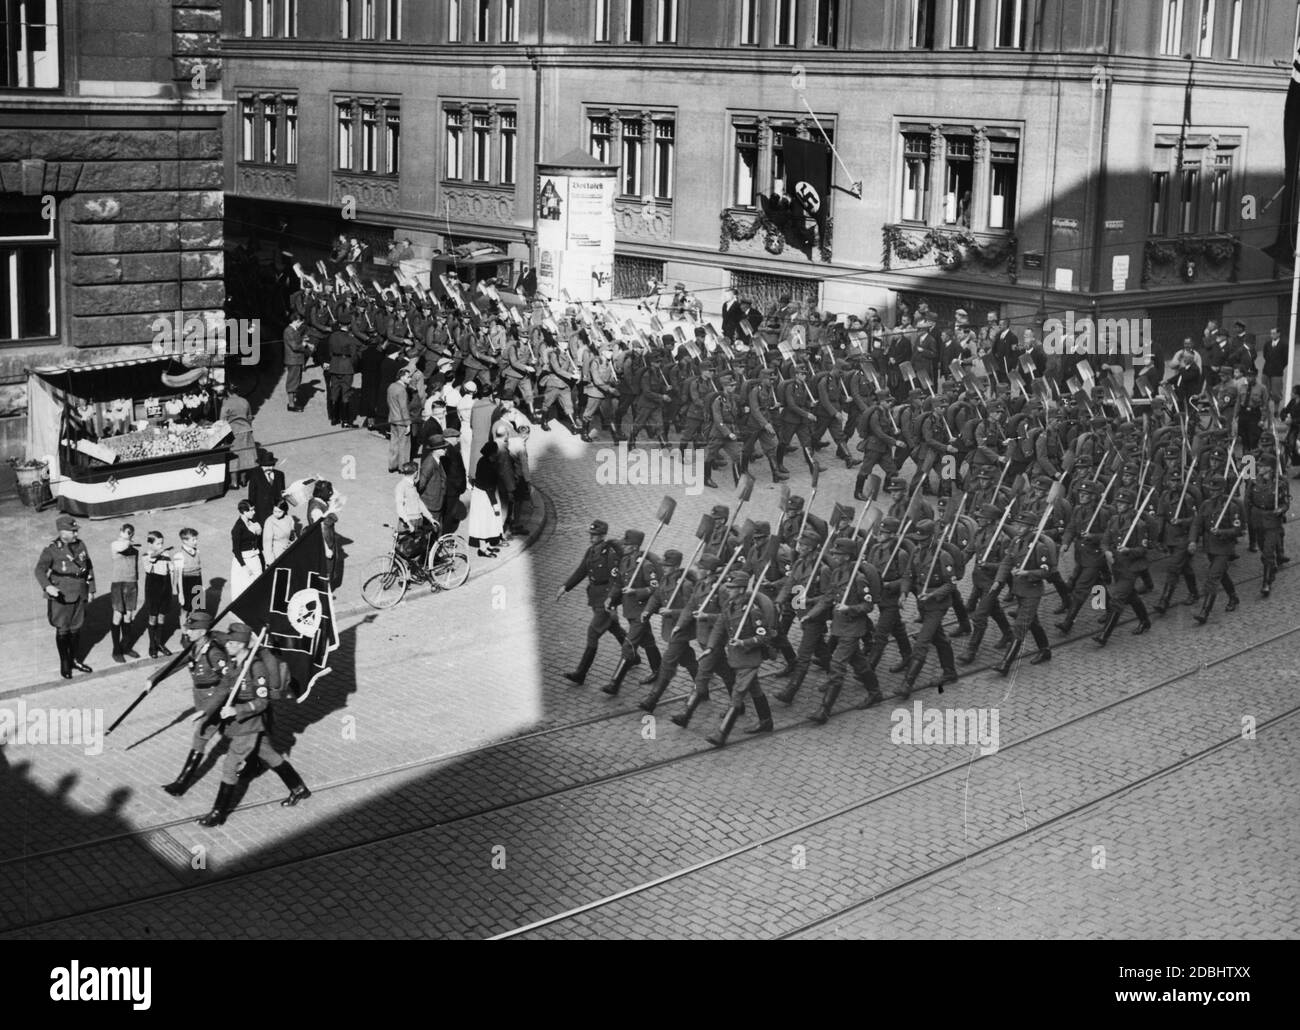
189	572
158	577
124	591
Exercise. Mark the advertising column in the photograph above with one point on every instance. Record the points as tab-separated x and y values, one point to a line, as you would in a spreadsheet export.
575	229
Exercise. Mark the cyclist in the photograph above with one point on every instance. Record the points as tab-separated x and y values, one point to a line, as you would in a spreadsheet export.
413	515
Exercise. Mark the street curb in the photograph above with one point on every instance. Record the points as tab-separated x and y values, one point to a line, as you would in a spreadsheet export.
534	535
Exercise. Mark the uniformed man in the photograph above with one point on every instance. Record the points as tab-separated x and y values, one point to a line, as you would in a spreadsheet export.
1027	563
711	635
934	581
791	603
724	432
1177	510
1129	538
1270	499
985	553
209	663
1219	522
852	590
893	558
676	624
244	724
632	582
1086	527
596	567
67	575
747	629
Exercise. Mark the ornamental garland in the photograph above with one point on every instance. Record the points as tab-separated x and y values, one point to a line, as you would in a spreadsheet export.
774	236
951	249
1217	250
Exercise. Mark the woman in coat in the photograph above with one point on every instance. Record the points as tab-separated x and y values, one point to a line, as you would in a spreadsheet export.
484	524
277	532
323	508
236	412
246	549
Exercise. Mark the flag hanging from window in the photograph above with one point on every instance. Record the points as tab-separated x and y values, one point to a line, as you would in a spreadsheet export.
808	176
1283	249
293	602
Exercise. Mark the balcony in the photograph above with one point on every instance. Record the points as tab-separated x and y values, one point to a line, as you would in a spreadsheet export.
767	233
983	255
1204	257
644	220
480	204
275	182
371	192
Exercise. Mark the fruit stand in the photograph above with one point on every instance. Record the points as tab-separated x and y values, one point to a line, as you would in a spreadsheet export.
128	436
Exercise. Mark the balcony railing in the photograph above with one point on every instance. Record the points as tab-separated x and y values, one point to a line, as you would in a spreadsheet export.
1191	258
950	250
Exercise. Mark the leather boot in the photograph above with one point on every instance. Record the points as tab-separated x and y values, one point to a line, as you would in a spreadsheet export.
787	696
586	431
624	664
127	641
719	736
221	807
74	645
153	640
764	712
1166	595
182	782
1144	620
874	696
909	678
779	475
683	718
902	663
1009	656
850	462
115	631
579	675
1231	606
1067	623
297	789
858	484
65	655
945	677
1112	620
1203	615
828	703
1044	652
972	646
651	700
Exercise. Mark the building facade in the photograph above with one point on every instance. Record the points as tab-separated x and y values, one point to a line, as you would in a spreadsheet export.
1029	157
111	182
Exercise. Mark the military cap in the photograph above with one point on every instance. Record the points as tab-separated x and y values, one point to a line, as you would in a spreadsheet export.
672	557
1125	496
737	578
810	536
916	394
1043	482
598	526
1215	482
889	525
634	537
240	633
924	527
65	522
990	511
897	483
846	546
795	503
1089	486
720	511
762	529
709	563
199	620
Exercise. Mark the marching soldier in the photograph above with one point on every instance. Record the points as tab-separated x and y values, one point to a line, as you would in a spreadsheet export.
1087	525
852	591
600	389
1127	542
1177	510
757	426
517	376
792	602
796	419
1219	522
1270	499
723	434
557	383
933	577
1027	562
597	567
208	665
633	581
244	726
748	628
677	623
67	575
711	635
990	540
893	558
879	438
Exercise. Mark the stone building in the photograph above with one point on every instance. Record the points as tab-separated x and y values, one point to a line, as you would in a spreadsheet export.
111	182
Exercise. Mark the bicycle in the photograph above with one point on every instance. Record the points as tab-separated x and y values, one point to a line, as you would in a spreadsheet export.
444	566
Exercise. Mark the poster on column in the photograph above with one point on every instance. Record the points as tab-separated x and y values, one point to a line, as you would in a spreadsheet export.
575	235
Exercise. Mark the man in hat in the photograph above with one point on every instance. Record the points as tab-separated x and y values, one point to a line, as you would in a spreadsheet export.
1127	541
852	591
295	357
1177	511
597	567
67	575
1219	521
265	487
1027	562
879	435
893	557
255	681
724	434
1270	499
934	581
1085	530
209	662
430	480
457	480
711	635
633	581
798	587
796	420
748	621
985	551
676	623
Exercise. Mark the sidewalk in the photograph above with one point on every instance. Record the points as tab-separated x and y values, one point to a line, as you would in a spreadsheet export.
355	461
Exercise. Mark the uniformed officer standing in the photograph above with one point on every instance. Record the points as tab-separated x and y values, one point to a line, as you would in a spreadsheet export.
596	567
633	581
746	643
244	725
67	575
209	663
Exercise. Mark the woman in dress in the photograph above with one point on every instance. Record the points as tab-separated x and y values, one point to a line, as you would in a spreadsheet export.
323	508
236	412
277	534
484	504
246	548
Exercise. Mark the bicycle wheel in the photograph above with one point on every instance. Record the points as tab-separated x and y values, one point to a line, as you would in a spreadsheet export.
386	584
449	562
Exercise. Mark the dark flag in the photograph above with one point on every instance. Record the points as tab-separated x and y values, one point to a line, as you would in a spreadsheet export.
1283	249
292	601
808	176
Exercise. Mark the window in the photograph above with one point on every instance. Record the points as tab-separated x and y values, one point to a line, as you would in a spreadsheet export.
345	18
455	144
1004	162
958	181
1189	196
248	125
291	132
600	139
483	21
30	31
1191	183
1171	28
268	17
666	22
922	26
392	141
290	19
367	19
369	138
345	136
270	135
1159	202
1219	199
509	21
453	21
963	23
632	158
28	259
248	18
482	138
828	22
1205	30
786	14
665	157
749	22
1234	44
393	20
634	23
602	21
509	139
746	173
1011	24
916	177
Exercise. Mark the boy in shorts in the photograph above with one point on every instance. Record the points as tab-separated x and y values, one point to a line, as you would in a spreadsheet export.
189	572
157	590
124	591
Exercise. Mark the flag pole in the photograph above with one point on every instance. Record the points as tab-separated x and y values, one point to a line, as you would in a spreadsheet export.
1289	380
857	183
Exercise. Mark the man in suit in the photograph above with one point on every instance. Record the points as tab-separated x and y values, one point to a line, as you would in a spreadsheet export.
731	314
342	367
295	356
431	481
265	488
1275	361
457	480
1006	349
399	421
